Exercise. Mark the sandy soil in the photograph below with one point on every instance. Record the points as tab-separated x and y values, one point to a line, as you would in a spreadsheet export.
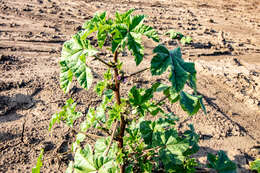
226	50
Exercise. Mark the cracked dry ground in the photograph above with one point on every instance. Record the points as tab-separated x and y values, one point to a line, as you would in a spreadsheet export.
226	50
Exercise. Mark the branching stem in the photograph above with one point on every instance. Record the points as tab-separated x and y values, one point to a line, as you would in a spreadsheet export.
85	133
103	128
112	137
160	101
104	62
135	73
155	149
122	120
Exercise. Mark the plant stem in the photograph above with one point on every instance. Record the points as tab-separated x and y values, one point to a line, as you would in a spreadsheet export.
122	121
156	148
164	98
112	137
135	73
103	129
117	83
85	133
104	62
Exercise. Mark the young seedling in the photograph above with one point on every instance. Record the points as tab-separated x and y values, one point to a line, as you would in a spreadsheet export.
130	142
179	37
38	166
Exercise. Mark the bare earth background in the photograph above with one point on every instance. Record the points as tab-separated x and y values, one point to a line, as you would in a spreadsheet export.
226	51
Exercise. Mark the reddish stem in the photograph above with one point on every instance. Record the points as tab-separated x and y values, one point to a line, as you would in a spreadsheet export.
122	122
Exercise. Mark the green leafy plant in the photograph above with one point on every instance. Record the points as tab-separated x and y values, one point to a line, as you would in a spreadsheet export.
255	165
179	36
130	142
38	166
221	163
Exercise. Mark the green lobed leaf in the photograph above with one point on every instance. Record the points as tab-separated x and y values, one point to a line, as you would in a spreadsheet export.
190	165
179	36
100	24
37	168
176	146
179	74
255	165
187	66
80	70
128	31
140	100
193	139
170	161
55	118
135	97
101	146
160	61
108	75
72	115
90	121
100	87
162	87
171	94
129	168
66	76
170	119
154	109
186	40
135	21
92	25
80	137
109	94
148	31
122	18
73	62
181	71
146	131
67	114
175	35
166	148
190	103
135	46
170	149
114	114
102	34
146	166
221	163
107	165
119	36
173	155
85	161
155	133
148	94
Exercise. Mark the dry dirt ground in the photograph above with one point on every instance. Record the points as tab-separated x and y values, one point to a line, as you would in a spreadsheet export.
226	50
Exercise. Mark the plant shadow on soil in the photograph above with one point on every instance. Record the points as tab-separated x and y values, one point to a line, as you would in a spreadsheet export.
240	160
10	105
216	107
8	112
